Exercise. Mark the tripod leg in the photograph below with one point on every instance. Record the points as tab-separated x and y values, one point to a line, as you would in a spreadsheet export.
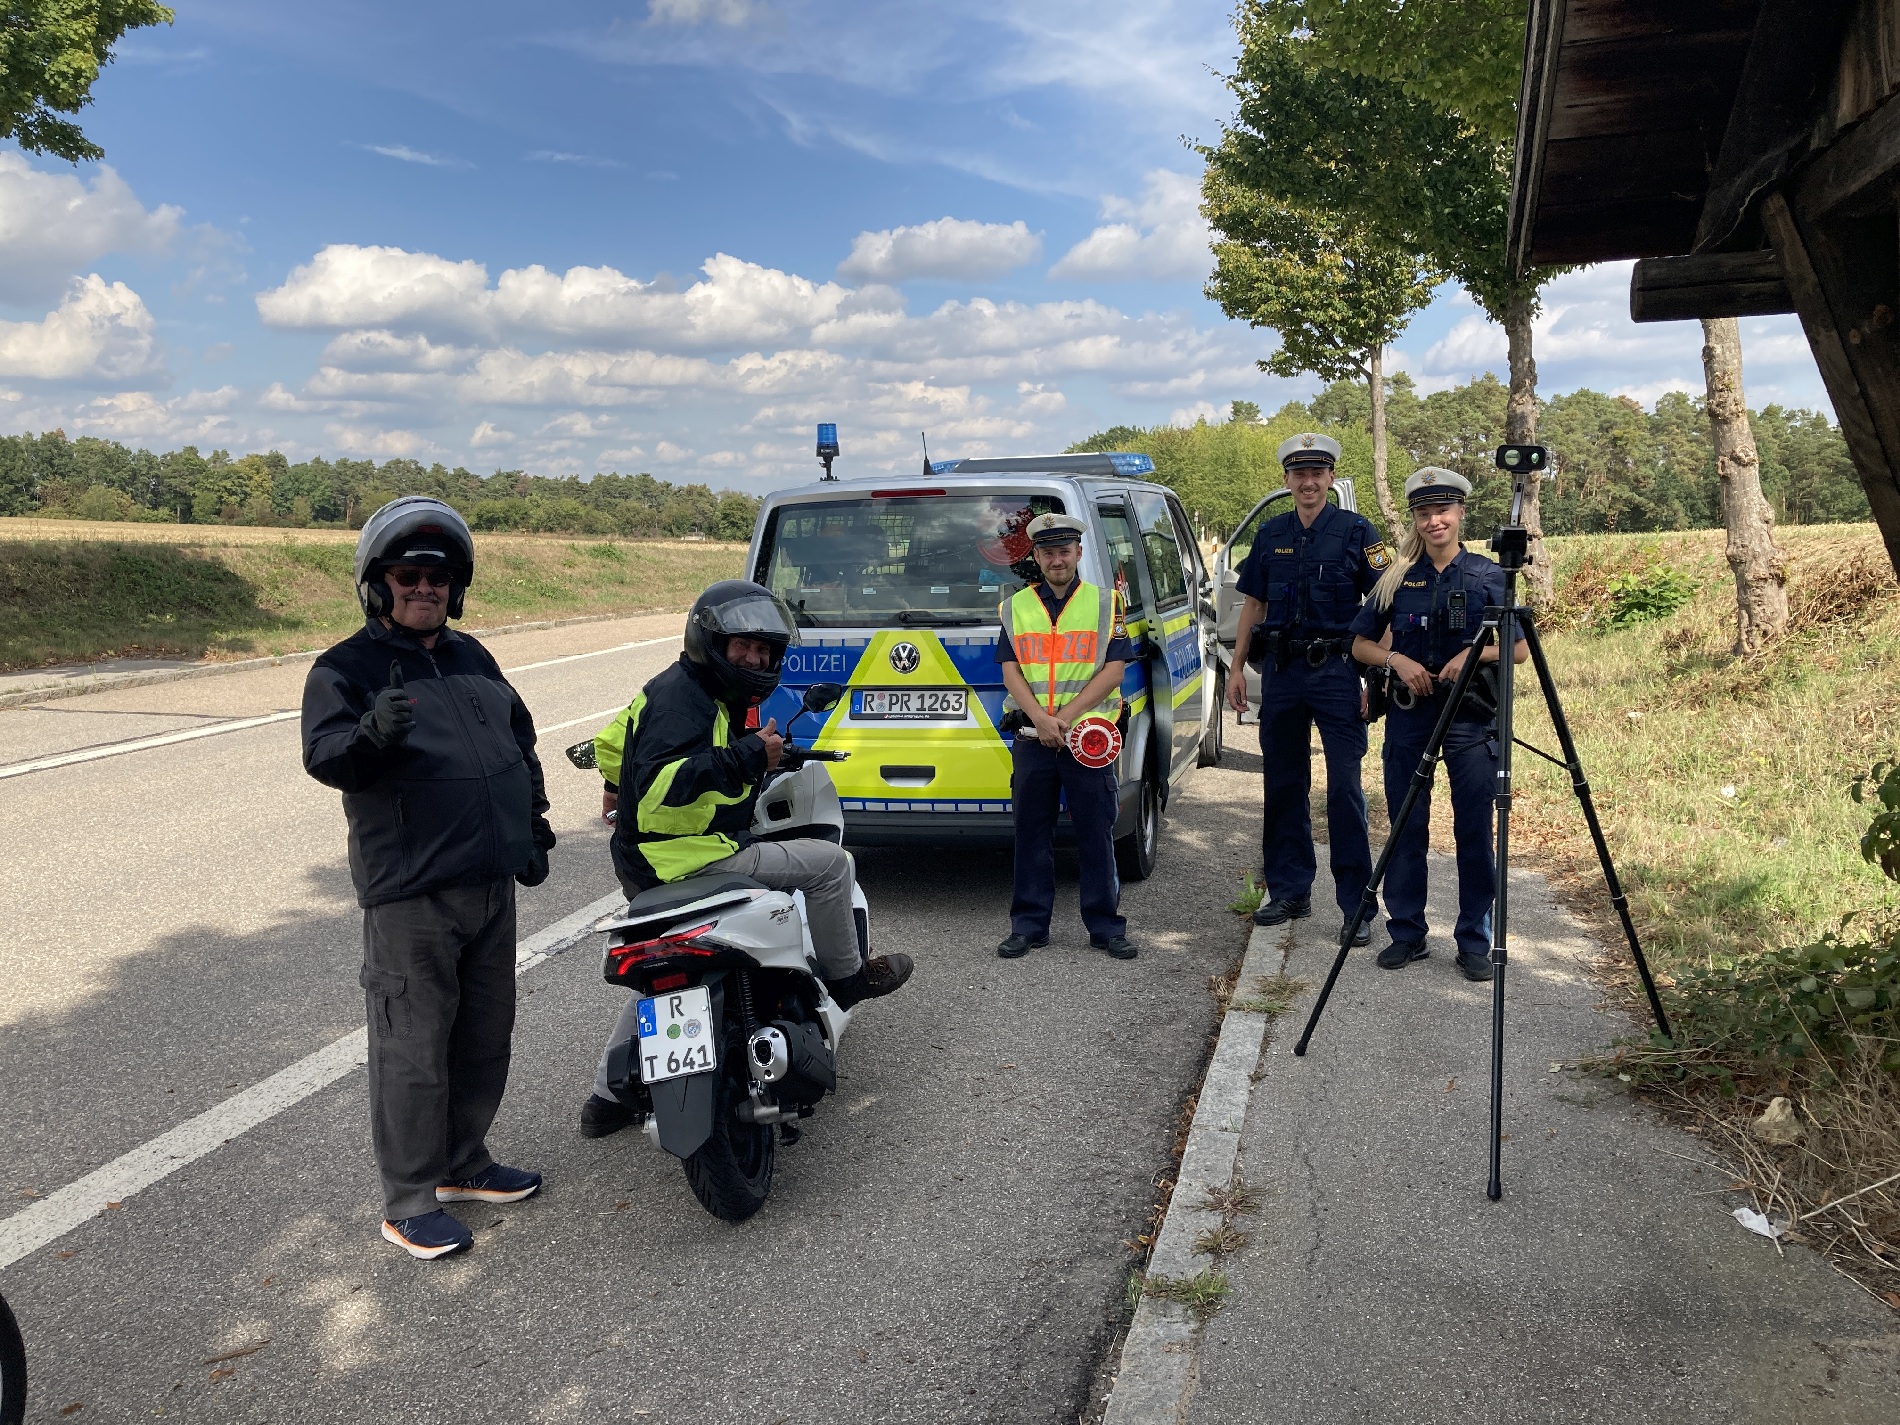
1501	906
1581	786
1421	779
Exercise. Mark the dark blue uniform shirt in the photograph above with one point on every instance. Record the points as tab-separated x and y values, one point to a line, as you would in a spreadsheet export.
1312	577
1121	648
1436	612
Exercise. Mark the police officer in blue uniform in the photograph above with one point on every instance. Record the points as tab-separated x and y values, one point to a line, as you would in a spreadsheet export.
1433	599
1302	584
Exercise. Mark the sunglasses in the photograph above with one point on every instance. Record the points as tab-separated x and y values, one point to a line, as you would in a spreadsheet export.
409	578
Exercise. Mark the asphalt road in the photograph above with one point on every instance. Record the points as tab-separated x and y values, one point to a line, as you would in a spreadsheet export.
945	1244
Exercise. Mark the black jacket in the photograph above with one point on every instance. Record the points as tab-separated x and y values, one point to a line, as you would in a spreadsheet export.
688	777
459	802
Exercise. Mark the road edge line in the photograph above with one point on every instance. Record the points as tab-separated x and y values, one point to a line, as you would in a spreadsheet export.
1161	1353
110	682
107	1187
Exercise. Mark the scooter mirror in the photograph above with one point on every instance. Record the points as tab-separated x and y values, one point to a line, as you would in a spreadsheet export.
820	696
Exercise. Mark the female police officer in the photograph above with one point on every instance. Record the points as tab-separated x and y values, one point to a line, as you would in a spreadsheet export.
1433	599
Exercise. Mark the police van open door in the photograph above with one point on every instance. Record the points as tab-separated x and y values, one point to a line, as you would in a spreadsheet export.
1181	692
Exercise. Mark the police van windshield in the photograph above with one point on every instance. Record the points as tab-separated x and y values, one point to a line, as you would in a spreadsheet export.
918	560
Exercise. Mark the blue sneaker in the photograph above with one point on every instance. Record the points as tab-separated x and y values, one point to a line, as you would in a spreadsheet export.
493	1184
434	1234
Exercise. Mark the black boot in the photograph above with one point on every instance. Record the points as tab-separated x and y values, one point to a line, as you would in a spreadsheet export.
881	974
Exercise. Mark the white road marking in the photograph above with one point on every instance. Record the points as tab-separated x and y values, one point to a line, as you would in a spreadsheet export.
54	1216
141	744
577	721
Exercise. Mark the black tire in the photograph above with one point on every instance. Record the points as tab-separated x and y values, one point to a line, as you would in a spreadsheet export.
1135	852
1209	755
12	1369
731	1174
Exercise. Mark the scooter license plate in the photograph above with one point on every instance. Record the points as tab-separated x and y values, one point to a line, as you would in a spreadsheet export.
676	1036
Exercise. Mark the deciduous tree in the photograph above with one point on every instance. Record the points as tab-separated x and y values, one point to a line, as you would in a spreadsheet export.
51	51
1760	566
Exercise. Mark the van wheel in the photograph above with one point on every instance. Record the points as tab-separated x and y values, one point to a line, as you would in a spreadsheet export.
1135	852
1209	755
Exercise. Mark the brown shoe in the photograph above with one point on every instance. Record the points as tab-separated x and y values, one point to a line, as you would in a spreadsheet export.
881	974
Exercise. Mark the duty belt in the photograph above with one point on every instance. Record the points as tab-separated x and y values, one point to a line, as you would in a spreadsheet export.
1273	643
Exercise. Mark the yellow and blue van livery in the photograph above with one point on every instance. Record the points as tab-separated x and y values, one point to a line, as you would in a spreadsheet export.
897	587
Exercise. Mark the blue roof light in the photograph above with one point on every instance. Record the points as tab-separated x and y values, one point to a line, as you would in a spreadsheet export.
943	467
1126	464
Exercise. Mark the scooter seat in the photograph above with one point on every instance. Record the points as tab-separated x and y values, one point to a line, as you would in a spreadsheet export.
693	888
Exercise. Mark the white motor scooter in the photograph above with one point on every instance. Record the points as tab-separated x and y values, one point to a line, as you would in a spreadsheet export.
738	1034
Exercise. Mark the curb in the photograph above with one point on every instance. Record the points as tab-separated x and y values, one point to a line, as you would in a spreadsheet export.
1160	1363
108	682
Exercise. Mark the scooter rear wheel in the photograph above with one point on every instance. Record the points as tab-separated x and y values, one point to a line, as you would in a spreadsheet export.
731	1174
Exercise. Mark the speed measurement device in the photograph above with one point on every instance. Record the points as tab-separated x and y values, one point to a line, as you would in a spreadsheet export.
676	1036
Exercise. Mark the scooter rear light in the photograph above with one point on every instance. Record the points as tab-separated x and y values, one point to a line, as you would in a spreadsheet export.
625	956
663	983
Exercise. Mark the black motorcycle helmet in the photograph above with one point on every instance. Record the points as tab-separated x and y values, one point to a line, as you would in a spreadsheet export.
736	606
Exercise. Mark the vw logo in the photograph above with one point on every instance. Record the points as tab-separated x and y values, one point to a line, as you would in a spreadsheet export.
905	657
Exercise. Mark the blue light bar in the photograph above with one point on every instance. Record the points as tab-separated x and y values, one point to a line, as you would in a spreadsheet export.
943	467
1126	464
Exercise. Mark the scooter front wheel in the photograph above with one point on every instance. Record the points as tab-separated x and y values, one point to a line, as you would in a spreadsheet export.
12	1369
731	1173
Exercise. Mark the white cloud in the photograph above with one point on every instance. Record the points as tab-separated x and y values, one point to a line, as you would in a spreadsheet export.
1158	237
98	333
730	13
52	224
1196	413
578	160
349	286
392	290
402	153
487	433
943	247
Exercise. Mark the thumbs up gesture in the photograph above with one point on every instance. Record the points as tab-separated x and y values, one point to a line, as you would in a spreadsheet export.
774	744
393	715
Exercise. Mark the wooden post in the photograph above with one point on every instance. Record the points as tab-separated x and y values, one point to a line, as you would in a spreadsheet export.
1841	296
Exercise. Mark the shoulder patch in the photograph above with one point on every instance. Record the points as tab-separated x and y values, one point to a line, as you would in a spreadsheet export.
1377	555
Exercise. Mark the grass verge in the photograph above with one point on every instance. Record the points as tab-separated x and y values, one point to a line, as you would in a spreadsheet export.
206	592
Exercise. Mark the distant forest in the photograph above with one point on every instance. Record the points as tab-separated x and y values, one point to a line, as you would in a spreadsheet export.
1618	467
89	478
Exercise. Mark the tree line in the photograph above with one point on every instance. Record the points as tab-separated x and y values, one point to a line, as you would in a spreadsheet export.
89	478
1616	467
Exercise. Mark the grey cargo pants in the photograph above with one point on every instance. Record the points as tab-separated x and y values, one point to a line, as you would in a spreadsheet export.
818	868
439	986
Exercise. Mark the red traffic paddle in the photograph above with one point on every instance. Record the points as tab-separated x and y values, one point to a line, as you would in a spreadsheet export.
1095	742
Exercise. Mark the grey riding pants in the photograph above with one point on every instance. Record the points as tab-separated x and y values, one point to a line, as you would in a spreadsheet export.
439	986
819	869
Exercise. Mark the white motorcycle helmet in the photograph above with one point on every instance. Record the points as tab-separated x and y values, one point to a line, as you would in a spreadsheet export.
415	529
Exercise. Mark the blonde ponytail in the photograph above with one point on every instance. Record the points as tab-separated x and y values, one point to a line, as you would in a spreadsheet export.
1411	550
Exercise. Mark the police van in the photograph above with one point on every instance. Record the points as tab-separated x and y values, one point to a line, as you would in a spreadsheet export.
896	582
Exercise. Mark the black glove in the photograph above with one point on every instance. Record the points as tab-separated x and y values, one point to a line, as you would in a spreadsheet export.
537	868
393	716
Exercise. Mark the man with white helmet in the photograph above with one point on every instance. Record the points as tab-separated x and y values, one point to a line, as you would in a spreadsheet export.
434	754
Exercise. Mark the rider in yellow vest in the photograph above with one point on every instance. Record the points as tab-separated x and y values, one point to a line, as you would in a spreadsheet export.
1063	650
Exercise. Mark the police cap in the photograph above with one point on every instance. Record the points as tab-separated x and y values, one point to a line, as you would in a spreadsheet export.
1048	530
1435	485
1308	448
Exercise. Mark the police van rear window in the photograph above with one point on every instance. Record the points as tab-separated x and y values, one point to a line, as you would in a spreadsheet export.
913	561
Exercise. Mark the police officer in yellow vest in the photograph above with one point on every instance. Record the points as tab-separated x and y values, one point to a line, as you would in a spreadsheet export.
1063	649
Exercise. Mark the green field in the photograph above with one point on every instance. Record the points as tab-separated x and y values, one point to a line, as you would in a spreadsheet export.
76	592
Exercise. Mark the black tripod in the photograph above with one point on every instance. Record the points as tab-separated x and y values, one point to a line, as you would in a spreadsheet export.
1510	544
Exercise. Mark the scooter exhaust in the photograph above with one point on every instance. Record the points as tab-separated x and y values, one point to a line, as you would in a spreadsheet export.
768	1055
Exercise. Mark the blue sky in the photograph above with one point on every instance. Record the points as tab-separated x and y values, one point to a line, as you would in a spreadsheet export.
671	235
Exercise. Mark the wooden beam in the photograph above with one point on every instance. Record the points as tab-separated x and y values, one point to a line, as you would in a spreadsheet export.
1713	284
1859	172
1831	286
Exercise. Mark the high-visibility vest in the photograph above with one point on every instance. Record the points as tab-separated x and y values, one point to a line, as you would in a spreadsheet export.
676	841
1059	658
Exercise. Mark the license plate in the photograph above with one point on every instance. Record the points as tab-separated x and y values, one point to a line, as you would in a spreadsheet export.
676	1036
916	704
